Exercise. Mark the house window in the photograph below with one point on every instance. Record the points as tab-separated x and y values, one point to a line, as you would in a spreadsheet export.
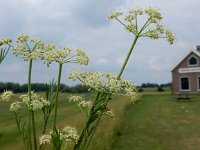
185	83
192	61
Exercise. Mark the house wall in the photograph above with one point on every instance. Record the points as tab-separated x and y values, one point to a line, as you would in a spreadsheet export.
193	77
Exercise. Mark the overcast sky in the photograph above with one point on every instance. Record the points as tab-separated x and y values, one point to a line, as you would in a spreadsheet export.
83	23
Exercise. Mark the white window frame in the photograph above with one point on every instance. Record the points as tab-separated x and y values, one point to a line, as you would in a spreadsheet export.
198	85
188	60
180	87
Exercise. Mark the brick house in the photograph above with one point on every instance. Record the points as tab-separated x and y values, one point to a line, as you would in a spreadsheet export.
186	74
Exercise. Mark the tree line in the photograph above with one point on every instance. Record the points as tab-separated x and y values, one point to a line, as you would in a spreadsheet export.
40	87
154	85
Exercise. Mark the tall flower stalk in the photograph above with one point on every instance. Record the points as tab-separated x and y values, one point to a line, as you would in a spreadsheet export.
57	92
31	112
61	56
153	29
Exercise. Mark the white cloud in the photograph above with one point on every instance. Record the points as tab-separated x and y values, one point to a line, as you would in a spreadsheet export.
12	68
102	61
120	60
158	64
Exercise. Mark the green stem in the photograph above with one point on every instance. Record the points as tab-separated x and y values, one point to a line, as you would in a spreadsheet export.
57	93
31	114
95	126
128	56
86	125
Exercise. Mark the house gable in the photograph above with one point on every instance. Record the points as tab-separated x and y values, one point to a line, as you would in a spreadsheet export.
185	62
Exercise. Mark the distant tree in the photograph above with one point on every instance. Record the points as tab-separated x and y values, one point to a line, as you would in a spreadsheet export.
160	89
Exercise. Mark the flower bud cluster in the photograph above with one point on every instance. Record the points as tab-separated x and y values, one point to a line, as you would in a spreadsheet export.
37	103
34	48
105	82
15	106
6	95
5	41
24	50
68	135
114	14
63	55
82	57
60	55
82	103
45	139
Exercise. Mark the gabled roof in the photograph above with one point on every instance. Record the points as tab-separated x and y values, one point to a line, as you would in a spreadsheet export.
185	56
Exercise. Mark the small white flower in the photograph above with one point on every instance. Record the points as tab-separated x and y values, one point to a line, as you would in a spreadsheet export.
15	106
82	57
114	14
7	94
70	135
85	104
75	98
37	102
45	139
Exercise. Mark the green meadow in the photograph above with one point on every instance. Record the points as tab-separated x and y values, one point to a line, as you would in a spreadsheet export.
158	121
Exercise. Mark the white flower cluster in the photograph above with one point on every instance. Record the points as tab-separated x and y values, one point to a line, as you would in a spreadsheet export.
15	106
68	135
82	57
37	103
82	103
63	55
33	48
24	50
114	14
5	41
45	139
107	83
75	98
152	28
6	95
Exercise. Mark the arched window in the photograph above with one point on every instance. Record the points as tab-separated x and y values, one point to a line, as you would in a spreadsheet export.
192	61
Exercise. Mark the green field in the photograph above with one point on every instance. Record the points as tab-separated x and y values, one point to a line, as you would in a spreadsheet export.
157	122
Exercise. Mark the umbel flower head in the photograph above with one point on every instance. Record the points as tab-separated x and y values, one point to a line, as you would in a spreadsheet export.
152	28
28	49
68	135
64	55
5	41
6	95
37	103
106	83
82	103
34	48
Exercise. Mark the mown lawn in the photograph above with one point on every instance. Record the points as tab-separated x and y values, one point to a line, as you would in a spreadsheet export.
157	122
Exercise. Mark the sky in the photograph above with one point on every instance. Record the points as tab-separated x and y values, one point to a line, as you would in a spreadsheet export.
83	23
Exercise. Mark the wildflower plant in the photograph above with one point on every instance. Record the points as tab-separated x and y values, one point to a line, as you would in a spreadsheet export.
31	49
105	84
108	84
